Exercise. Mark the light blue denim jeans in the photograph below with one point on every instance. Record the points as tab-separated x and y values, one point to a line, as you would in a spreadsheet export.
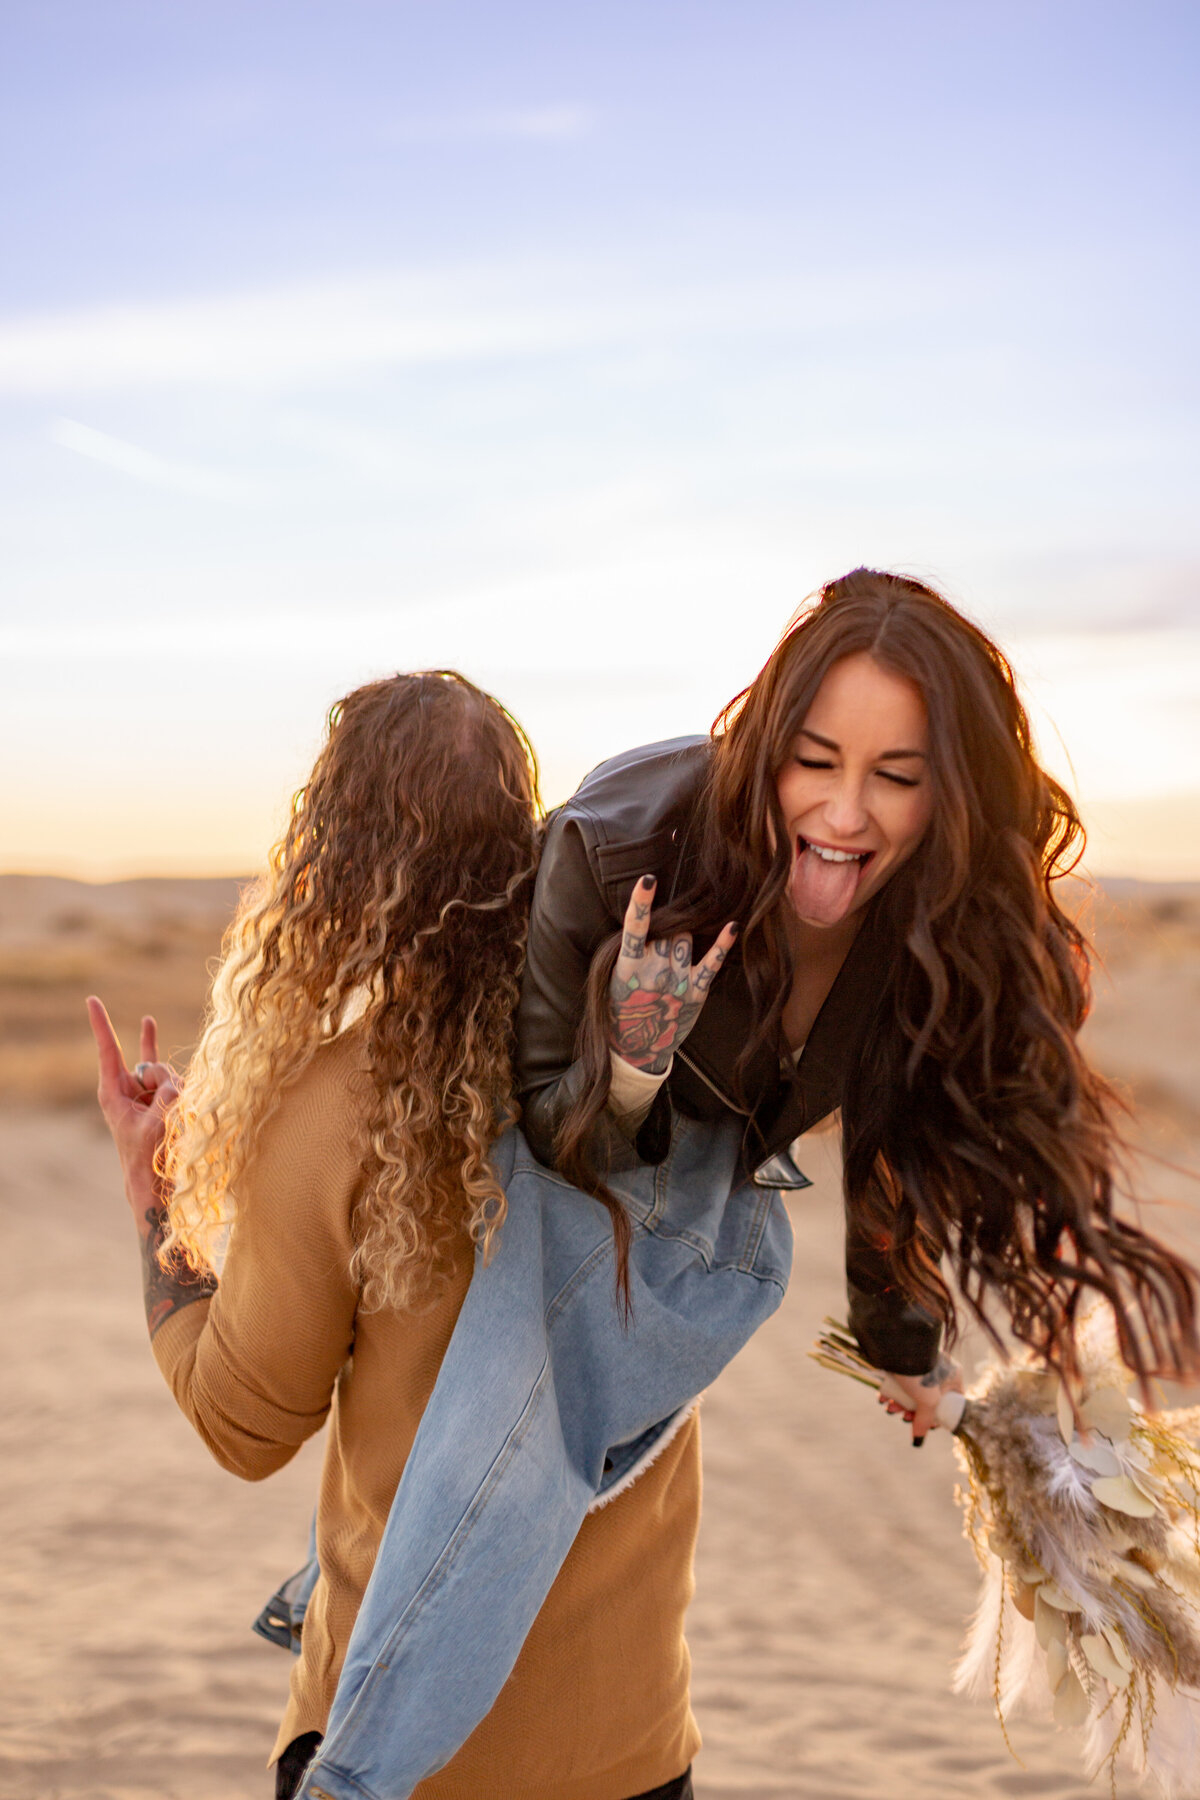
546	1400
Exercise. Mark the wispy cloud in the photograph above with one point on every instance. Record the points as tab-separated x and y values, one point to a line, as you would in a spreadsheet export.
312	332
143	465
562	122
302	332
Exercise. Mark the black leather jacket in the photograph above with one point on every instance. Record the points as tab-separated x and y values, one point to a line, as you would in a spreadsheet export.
636	815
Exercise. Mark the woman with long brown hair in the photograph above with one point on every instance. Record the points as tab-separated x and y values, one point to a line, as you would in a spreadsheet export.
335	1126
871	816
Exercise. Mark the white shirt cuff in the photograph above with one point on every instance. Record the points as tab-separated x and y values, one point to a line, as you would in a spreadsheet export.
632	1092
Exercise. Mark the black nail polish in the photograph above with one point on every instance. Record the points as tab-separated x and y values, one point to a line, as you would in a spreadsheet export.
649	880
917	1442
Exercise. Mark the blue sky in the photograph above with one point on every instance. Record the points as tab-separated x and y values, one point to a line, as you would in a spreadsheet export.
573	346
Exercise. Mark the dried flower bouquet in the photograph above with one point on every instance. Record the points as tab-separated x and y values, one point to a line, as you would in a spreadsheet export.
1085	1520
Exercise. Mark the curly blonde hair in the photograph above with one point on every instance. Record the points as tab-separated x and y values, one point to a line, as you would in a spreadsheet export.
396	901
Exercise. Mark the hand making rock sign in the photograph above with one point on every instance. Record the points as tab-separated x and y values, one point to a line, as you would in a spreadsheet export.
656	991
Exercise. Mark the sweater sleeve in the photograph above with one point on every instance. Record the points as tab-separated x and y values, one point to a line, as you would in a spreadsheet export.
253	1368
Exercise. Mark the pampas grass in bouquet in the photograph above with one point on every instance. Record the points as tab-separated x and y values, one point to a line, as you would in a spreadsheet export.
1085	1520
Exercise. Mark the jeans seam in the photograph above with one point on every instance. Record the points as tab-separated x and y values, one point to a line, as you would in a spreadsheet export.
754	1236
702	1246
526	1166
341	1775
714	1263
663	1177
596	1258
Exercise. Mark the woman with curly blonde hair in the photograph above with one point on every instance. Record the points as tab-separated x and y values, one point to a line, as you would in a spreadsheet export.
398	895
334	1128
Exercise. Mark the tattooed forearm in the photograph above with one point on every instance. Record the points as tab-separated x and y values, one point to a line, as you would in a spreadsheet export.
942	1370
168	1289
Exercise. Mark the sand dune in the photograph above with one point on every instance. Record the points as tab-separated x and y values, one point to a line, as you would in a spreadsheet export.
833	1583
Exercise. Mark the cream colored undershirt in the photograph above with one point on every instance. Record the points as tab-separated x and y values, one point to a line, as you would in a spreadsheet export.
631	1094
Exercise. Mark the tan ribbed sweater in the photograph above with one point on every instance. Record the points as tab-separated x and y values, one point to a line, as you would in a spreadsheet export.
597	1706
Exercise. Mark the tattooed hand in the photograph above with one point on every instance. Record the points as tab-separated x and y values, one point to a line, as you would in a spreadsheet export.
134	1103
924	1391
655	994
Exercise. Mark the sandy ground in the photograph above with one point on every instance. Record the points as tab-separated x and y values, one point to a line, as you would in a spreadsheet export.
833	1583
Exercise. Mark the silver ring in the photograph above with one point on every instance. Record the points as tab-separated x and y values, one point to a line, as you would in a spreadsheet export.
139	1070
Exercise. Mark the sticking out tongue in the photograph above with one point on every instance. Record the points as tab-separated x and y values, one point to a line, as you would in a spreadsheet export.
822	891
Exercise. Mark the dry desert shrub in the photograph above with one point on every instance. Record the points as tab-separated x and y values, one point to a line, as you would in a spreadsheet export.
142	946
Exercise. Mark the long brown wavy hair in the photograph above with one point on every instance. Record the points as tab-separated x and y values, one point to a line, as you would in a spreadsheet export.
973	1127
397	901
